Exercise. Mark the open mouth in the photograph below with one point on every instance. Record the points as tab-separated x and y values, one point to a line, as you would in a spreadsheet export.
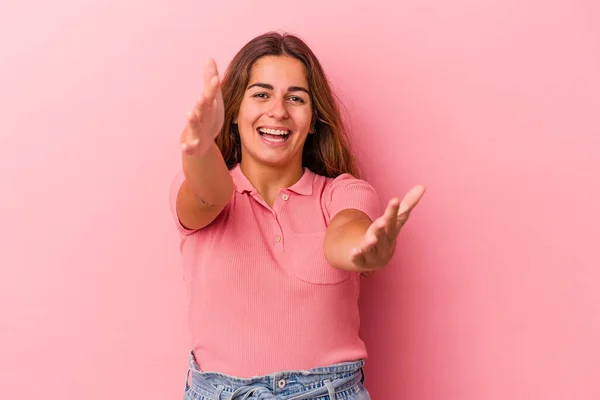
274	135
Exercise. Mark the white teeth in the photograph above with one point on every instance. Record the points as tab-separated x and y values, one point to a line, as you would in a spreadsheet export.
274	139
274	131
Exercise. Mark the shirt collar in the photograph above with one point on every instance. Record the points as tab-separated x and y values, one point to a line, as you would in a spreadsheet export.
304	186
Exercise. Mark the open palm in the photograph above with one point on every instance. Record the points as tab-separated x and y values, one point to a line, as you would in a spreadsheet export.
379	242
205	120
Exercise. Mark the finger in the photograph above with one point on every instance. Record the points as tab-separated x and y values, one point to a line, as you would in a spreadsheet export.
401	220
369	242
219	95
389	217
202	107
195	113
211	79
411	199
192	115
357	258
210	90
384	232
364	247
378	227
371	258
210	71
374	245
383	247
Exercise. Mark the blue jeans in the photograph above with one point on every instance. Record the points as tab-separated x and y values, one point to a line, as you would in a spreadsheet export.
342	381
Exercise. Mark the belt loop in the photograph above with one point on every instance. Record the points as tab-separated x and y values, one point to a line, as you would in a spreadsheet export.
362	373
220	389
187	378
330	389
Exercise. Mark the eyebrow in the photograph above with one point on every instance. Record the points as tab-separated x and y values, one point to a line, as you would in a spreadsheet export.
270	87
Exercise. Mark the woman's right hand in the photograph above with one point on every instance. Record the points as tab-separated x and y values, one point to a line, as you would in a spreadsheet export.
205	120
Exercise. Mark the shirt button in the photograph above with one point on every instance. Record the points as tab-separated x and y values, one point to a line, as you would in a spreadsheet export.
281	383
285	196
278	238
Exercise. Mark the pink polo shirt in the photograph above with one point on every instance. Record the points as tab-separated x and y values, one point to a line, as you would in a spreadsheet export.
262	296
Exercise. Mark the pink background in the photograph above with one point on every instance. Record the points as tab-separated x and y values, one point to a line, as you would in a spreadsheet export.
494	105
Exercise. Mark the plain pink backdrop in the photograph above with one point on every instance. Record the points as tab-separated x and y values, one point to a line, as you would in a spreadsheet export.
494	105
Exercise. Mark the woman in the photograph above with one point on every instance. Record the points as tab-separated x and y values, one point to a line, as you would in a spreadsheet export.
276	229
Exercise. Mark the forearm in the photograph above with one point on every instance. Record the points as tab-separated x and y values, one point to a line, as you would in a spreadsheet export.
341	239
207	176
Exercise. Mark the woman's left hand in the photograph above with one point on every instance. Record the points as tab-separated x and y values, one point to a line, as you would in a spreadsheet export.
378	245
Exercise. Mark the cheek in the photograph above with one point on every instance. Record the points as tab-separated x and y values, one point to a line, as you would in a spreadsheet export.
302	117
245	113
253	109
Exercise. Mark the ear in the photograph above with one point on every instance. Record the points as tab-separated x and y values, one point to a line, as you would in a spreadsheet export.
235	119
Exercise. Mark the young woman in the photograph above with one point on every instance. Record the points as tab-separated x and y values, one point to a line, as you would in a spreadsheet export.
276	229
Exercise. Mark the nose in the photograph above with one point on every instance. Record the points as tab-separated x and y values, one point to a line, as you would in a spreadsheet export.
278	110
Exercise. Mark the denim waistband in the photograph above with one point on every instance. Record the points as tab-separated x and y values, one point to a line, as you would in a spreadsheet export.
338	381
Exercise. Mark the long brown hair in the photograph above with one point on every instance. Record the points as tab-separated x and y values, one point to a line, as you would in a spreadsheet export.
327	151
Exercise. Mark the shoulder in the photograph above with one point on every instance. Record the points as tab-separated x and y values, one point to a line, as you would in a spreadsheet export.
344	181
346	191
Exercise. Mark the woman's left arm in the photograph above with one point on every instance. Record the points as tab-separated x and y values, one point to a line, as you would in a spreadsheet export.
355	243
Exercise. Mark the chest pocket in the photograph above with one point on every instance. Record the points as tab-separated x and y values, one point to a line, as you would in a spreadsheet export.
306	260
304	244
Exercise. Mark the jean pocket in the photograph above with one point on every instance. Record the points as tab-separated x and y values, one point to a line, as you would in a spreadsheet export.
307	260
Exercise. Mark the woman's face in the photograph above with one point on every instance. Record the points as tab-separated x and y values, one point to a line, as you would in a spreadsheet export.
275	114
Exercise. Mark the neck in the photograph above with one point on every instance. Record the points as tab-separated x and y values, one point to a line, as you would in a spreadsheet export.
268	180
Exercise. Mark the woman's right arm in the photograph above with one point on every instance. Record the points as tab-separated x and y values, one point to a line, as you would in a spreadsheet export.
206	189
208	186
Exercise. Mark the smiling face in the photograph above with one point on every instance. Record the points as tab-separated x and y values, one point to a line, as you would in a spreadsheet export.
275	114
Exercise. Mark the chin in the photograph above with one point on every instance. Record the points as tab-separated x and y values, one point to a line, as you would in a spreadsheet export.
274	162
271	158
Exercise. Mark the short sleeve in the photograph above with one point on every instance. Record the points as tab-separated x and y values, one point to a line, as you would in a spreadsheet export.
346	191
174	189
